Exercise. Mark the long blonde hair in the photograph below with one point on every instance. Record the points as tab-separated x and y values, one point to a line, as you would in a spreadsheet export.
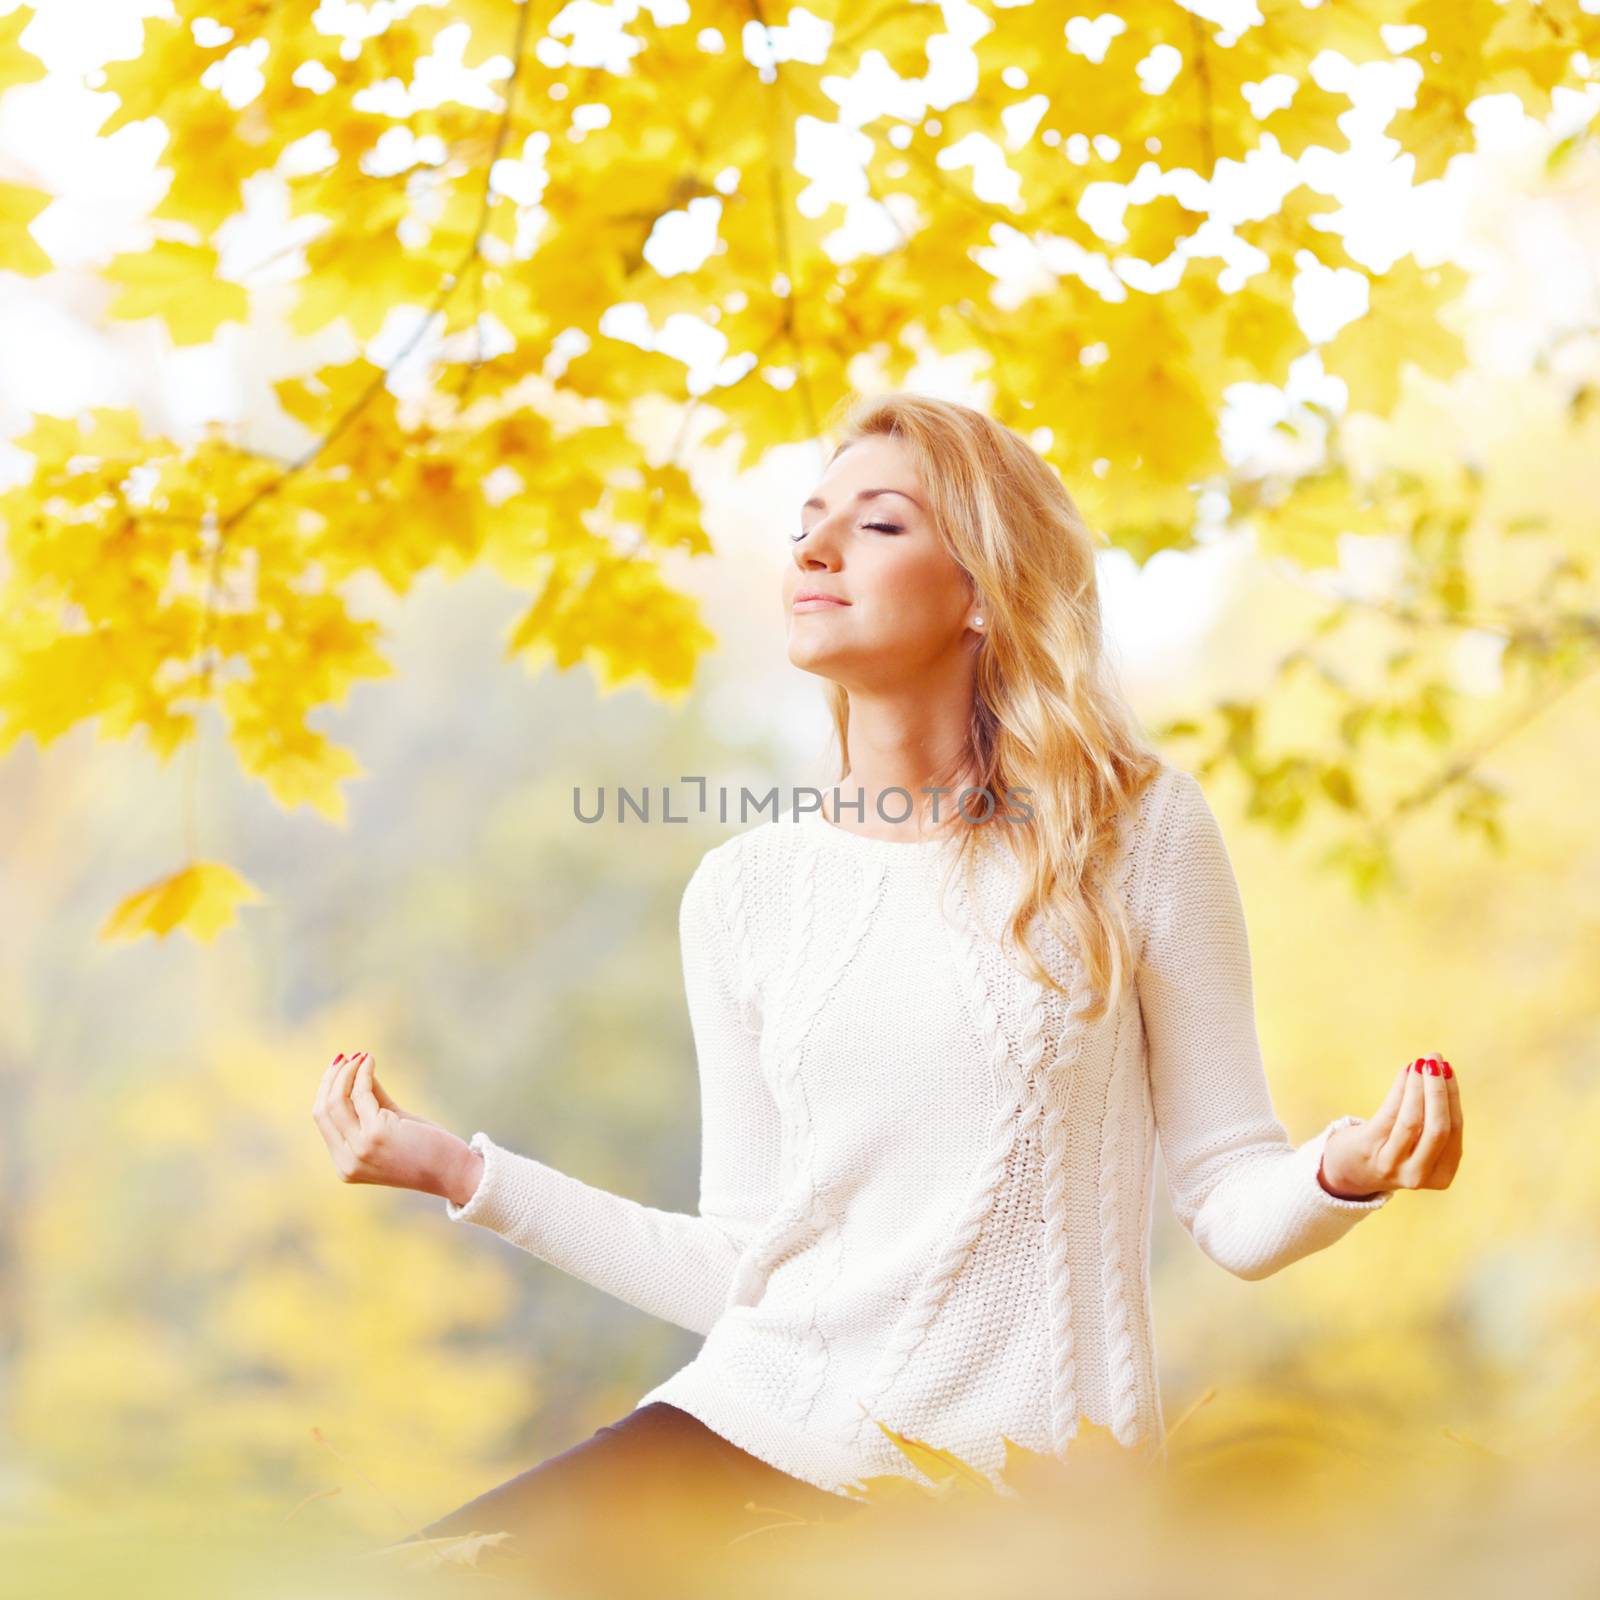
1048	715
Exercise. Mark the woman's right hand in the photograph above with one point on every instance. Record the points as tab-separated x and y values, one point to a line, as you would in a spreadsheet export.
372	1139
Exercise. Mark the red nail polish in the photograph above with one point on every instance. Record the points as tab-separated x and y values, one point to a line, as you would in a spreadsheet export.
1416	1066
1447	1072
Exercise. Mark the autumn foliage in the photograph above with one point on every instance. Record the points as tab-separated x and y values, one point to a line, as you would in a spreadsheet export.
151	577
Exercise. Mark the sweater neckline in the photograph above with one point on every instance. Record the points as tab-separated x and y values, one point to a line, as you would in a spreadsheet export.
831	836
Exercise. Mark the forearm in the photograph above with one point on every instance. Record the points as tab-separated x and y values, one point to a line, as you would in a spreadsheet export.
1252	1201
1268	1208
675	1265
671	1264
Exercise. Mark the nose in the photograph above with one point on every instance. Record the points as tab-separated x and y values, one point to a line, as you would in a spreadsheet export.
819	548
823	559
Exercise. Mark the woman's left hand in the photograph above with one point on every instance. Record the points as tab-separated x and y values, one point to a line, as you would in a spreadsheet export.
1412	1142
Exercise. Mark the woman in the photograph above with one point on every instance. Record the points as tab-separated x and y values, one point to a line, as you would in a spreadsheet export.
936	1044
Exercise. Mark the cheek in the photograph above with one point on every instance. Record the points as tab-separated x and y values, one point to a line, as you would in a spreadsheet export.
914	593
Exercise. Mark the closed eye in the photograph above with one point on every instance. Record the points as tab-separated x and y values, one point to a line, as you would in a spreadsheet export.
885	527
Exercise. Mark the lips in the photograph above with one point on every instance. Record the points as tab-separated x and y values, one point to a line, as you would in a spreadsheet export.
809	596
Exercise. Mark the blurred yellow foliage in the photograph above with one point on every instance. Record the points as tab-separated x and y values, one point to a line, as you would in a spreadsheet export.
202	899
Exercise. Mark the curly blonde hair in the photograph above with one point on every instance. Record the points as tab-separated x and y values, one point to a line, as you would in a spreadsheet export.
1049	717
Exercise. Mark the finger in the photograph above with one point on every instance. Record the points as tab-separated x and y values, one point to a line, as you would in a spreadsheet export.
322	1114
327	1078
361	1095
1453	1089
1431	1142
387	1100
1383	1118
340	1111
1408	1122
1453	1148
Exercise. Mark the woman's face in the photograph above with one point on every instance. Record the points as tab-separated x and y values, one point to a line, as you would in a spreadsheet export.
902	602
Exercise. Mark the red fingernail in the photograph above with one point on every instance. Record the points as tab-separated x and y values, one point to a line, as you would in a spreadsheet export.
1416	1066
1447	1072
338	1058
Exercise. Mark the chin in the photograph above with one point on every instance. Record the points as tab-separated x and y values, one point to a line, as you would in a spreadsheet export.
823	662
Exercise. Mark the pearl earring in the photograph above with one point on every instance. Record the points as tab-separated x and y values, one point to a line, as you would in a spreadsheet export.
978	621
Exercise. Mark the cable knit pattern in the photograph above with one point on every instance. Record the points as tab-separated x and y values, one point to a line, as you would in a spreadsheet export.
913	1325
784	1230
819	1214
1119	1327
1064	1365
739	929
1013	1066
924	1179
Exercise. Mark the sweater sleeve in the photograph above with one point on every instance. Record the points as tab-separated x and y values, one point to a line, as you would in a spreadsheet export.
672	1264
1248	1197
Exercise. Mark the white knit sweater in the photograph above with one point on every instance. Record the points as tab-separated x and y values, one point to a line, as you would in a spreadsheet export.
925	1184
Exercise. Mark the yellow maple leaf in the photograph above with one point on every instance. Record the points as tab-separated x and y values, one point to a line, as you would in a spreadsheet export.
889	1488
201	898
1094	1439
177	282
1155	228
1094	1450
1401	326
462	1550
1306	523
20	203
946	1469
1311	119
622	617
16	64
298	764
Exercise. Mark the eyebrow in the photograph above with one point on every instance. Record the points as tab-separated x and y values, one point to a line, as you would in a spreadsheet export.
864	494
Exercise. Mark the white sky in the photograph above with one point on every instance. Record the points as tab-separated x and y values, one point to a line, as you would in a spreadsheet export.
61	355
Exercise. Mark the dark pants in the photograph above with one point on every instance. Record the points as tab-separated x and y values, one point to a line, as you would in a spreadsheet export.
637	1501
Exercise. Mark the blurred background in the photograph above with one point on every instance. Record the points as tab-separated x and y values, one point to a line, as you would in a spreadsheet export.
1390	697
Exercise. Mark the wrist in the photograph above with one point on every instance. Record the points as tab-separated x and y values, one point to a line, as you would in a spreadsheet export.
463	1176
1330	1182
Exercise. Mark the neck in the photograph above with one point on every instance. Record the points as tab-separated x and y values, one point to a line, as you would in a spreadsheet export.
899	748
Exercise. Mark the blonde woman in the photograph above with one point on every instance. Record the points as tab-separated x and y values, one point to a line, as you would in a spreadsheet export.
942	1019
